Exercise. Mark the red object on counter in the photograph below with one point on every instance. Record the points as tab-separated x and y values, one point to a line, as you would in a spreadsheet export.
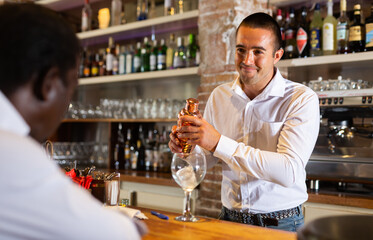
84	181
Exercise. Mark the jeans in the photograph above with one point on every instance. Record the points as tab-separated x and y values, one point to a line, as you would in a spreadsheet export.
291	224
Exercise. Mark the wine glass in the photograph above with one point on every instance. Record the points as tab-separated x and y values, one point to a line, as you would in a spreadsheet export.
188	170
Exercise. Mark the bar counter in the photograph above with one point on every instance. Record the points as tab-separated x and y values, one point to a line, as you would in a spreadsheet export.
206	228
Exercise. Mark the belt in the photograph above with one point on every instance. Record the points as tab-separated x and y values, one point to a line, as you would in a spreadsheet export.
261	219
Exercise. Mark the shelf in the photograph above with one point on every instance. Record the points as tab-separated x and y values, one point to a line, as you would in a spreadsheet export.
330	59
346	93
109	120
140	29
140	76
61	5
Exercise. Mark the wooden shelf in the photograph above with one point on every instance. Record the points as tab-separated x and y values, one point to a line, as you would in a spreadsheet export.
183	72
109	120
323	60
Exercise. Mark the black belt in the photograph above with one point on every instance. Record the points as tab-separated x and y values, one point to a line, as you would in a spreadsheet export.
261	219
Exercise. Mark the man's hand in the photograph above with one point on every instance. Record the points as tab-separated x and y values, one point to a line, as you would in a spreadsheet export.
174	143
197	131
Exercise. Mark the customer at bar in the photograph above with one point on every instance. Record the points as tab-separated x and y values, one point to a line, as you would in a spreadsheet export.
38	67
263	127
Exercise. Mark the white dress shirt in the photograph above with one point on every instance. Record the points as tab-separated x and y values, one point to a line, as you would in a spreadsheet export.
38	201
265	143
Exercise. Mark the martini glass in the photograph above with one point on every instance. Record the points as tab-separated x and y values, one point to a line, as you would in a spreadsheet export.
188	170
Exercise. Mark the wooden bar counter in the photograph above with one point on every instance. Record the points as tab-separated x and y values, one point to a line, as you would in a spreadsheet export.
206	228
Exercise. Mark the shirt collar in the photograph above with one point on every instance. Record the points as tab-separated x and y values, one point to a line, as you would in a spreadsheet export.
275	88
10	119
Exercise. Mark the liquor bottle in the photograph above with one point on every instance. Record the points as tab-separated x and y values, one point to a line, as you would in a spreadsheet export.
161	57
86	16
145	56
356	39
149	142
102	63
156	153
369	31
179	55
190	109
127	150
116	60
302	35
316	33
170	52
152	11
191	52
116	12
95	65
122	60
119	149
140	144
129	59
142	9
329	32
153	56
281	24
137	58
169	7
110	53
290	37
342	30
180	5
87	65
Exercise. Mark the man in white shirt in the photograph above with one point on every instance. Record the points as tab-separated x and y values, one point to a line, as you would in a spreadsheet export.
263	127
38	67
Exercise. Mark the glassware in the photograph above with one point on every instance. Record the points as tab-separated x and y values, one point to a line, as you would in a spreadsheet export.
188	170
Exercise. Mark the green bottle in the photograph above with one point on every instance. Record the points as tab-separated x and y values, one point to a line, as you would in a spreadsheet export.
161	57
191	53
145	56
153	56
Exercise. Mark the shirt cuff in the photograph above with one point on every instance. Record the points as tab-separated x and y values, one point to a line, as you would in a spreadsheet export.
225	148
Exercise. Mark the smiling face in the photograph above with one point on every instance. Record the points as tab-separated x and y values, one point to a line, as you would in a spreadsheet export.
255	57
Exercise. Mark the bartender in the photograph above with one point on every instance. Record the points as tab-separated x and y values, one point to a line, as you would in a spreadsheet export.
262	127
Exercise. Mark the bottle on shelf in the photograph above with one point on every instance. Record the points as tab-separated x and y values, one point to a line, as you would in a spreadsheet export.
95	65
190	109
161	57
191	52
356	39
149	148
127	150
152	11
343	30
169	7
140	144
290	36
86	16
369	31
156	153
102	63
153	56
329	33
179	56
122	60
145	56
180	6
116	60
119	149
302	35
87	65
171	48
116	12
316	33
110	54
281	24
129	59
142	10
137	58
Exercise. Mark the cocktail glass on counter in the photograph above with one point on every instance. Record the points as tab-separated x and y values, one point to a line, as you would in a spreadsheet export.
188	170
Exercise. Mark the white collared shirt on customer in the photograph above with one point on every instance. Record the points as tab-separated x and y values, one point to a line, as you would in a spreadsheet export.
265	143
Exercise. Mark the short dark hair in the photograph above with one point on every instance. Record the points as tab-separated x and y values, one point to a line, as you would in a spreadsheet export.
263	20
34	39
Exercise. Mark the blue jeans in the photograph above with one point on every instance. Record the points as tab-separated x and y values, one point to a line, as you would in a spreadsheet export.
291	224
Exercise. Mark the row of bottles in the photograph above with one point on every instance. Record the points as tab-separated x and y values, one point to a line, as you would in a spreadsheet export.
146	153
325	36
145	9
148	56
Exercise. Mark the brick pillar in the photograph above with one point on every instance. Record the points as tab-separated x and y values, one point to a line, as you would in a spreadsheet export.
217	25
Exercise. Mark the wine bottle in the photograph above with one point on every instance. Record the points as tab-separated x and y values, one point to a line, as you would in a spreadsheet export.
179	55
129	59
316	33
171	48
122	60
290	36
342	30
161	57
281	24
127	150
145	56
137	58
153	56
141	150
302	35
191	52
357	32
119	149
86	16
110	53
329	33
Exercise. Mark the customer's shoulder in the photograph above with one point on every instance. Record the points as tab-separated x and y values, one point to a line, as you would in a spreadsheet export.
18	144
